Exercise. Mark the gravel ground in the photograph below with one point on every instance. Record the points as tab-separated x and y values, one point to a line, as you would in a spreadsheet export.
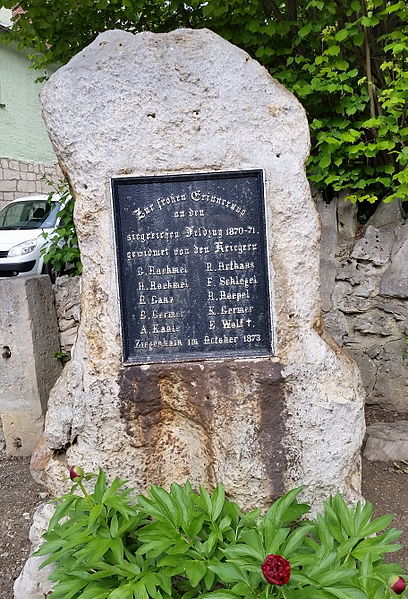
384	484
19	496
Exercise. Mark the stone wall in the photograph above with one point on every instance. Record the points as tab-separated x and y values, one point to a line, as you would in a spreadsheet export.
365	294
28	367
18	178
66	292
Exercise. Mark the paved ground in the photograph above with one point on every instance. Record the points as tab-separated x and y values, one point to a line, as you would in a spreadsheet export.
384	484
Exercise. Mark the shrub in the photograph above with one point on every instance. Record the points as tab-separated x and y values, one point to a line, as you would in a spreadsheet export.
346	60
62	251
110	544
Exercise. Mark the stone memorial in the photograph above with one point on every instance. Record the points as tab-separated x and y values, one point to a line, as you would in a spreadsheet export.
198	255
201	353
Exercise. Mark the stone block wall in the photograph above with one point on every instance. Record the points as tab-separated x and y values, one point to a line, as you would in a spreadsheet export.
18	178
28	366
364	288
67	304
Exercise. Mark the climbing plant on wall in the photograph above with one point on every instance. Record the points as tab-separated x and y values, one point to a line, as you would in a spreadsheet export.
345	61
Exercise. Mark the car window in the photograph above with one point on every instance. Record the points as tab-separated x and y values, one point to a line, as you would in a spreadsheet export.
37	214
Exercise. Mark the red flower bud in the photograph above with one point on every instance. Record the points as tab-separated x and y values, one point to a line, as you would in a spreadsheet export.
276	570
76	472
397	584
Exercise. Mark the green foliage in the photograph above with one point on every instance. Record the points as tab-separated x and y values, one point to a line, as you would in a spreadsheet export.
62	356
62	250
183	544
345	61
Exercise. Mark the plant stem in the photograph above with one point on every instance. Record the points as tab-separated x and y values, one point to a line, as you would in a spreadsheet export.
370	83
84	491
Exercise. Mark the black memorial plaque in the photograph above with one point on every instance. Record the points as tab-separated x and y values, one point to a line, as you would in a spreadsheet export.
192	266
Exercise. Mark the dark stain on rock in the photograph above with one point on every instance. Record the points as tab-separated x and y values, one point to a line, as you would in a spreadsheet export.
153	397
203	394
272	402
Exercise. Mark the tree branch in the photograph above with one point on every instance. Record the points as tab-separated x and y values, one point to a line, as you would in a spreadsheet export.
368	70
370	83
270	9
292	10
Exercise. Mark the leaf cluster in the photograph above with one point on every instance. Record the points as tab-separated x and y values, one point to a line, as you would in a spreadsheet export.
345	61
62	250
182	544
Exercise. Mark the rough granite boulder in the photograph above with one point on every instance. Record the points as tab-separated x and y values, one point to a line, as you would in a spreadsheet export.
188	101
33	583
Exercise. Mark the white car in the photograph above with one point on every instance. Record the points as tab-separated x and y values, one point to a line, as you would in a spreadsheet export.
22	224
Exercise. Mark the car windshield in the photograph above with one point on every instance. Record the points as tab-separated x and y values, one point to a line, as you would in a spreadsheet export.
35	214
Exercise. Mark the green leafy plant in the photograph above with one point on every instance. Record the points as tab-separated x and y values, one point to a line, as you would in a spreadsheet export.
110	544
345	61
62	251
62	356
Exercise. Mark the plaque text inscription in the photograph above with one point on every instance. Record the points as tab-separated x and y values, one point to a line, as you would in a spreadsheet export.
192	266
